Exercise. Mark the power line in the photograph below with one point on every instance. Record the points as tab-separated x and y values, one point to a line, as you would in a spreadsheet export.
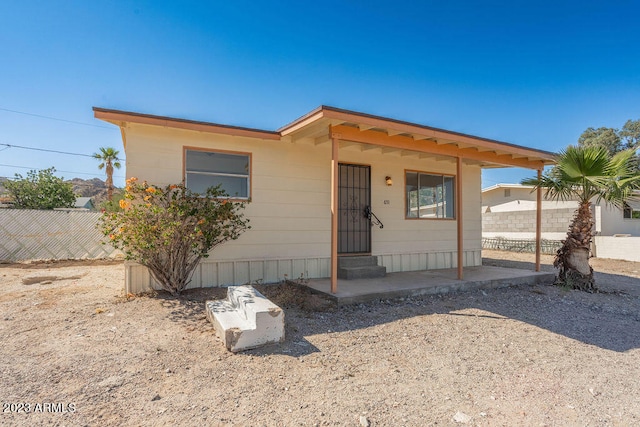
77	173
44	149
47	150
57	119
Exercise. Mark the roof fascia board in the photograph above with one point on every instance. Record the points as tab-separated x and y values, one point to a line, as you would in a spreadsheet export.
120	117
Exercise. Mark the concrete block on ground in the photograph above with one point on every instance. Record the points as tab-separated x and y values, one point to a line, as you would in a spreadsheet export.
246	319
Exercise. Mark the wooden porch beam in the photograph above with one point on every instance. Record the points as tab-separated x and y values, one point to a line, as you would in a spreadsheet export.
426	146
334	214
538	220
459	222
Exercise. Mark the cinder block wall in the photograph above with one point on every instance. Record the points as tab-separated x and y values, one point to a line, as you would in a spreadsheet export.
553	221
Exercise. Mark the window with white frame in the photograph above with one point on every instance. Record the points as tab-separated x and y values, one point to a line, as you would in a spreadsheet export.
429	195
204	169
631	210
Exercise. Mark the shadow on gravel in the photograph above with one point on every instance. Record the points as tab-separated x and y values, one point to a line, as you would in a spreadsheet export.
607	282
609	321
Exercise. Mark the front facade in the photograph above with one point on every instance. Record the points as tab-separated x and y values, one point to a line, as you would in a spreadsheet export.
332	183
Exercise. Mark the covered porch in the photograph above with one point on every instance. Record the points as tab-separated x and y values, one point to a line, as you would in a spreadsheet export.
352	136
426	282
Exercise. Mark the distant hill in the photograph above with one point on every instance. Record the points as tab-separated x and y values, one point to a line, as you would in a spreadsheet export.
94	188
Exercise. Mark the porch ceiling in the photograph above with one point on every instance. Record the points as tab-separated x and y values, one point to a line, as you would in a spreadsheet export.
393	136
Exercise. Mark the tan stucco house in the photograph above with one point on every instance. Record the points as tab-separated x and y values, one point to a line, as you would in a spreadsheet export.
322	186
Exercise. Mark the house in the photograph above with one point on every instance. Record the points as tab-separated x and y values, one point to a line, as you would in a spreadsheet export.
331	184
508	210
509	213
84	203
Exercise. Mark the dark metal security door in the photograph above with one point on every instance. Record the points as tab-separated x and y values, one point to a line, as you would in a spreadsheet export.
354	200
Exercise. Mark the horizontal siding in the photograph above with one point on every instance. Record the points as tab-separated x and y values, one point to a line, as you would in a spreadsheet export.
290	208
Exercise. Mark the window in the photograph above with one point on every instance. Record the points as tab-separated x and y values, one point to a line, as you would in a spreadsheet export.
507	192
631	210
429	195
204	169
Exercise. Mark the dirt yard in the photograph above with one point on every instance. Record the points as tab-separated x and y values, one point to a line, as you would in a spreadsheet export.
76	351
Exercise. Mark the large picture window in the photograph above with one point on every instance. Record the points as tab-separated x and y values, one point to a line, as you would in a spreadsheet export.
429	195
204	169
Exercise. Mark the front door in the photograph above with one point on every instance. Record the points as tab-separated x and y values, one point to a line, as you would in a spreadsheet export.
354	198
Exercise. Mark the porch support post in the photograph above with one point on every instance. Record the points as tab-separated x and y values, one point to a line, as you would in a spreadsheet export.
538	220
334	213
459	217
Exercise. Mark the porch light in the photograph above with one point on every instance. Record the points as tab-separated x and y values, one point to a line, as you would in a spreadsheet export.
388	181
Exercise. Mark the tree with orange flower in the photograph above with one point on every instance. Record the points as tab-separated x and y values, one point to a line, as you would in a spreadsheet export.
170	229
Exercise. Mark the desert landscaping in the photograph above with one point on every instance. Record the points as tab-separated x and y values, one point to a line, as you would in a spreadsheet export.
77	351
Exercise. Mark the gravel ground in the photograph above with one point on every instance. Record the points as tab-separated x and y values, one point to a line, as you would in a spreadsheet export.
75	351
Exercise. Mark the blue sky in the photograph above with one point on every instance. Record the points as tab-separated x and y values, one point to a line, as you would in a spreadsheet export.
529	73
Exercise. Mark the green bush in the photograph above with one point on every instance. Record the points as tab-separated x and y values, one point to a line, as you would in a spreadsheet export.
169	230
40	190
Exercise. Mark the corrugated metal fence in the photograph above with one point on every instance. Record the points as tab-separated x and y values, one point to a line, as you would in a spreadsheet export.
33	234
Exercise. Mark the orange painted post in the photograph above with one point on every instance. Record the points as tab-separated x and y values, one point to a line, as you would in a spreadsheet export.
459	217
334	214
538	221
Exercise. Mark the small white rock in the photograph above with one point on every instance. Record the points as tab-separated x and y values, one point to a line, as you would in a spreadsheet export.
364	422
461	417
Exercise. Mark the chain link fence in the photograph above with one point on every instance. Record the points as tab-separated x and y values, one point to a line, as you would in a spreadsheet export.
521	245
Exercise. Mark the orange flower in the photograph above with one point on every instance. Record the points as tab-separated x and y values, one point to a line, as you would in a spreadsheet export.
112	236
173	187
151	190
147	198
127	188
202	221
124	204
224	202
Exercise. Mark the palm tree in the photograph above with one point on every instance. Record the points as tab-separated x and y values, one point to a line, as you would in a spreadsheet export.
586	173
109	158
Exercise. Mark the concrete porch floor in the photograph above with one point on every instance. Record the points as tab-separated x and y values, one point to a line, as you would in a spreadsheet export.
427	282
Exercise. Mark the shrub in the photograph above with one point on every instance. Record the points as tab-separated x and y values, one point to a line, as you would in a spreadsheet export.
169	230
40	190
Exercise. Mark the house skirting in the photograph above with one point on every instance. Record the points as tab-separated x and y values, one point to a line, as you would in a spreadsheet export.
215	273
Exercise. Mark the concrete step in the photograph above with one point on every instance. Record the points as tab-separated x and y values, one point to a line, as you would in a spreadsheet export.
357	261
246	319
366	272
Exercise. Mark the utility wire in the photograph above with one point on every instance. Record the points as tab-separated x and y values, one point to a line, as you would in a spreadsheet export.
57	119
78	173
49	151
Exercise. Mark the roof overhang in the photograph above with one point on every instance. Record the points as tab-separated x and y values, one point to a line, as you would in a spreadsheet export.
329	122
502	185
121	118
364	130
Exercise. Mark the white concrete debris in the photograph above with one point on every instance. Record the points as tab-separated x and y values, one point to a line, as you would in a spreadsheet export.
246	319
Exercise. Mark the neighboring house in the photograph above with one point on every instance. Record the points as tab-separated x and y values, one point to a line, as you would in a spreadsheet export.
85	203
510	208
316	186
509	212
